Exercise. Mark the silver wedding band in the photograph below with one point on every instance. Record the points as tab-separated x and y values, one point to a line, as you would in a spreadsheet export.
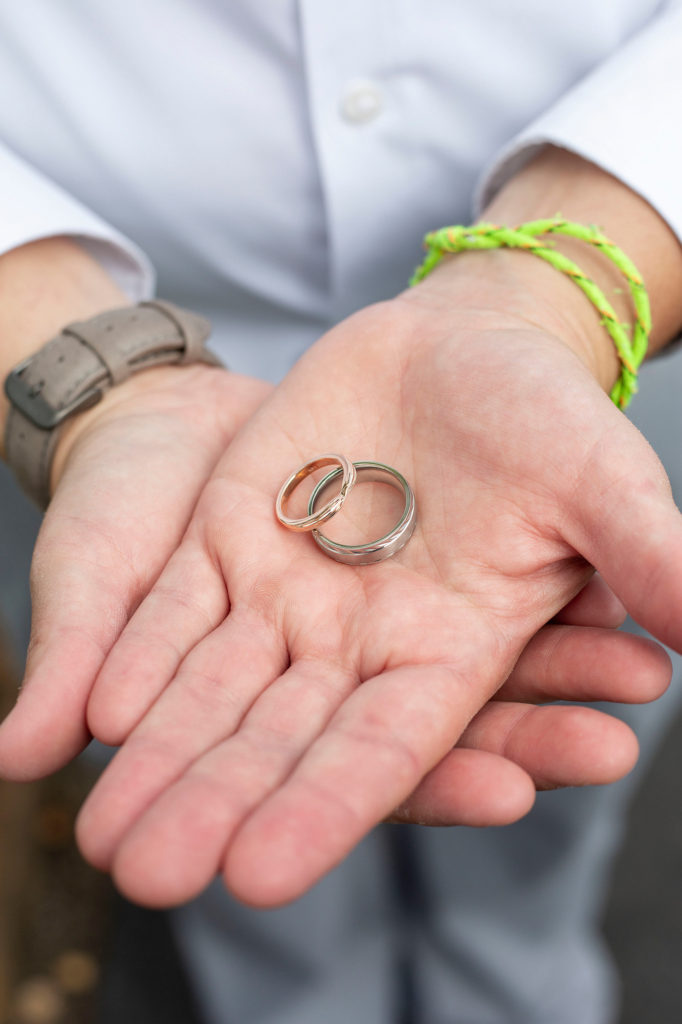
384	547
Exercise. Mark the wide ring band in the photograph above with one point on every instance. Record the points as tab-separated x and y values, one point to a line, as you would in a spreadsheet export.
345	469
390	543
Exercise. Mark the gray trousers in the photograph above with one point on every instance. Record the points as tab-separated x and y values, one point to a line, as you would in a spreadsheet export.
463	926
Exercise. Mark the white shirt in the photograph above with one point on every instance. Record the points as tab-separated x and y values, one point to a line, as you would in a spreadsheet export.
278	161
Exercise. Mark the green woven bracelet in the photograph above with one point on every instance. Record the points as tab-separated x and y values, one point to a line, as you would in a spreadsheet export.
631	352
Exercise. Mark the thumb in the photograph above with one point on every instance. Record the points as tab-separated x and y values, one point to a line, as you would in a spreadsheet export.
623	519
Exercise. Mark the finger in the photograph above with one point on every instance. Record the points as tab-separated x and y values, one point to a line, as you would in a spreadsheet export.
205	703
178	846
583	663
556	745
508	752
595	605
469	787
384	739
624	521
186	604
81	589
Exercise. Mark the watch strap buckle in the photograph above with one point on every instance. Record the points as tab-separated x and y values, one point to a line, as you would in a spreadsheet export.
29	400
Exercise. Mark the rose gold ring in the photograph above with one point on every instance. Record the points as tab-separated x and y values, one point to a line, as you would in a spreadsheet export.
345	469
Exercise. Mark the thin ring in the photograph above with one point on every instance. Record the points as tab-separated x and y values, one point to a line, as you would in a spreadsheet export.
313	519
390	543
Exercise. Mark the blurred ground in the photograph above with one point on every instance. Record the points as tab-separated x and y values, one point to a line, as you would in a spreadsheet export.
56	913
53	909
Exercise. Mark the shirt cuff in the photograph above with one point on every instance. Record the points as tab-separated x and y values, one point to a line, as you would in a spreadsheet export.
34	208
623	116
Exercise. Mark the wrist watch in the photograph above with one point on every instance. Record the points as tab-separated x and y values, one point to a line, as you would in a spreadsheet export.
72	372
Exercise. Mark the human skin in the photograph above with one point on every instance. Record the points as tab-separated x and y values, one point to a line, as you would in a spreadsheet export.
136	465
250	746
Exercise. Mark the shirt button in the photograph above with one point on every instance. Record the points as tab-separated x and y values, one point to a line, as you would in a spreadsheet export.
361	102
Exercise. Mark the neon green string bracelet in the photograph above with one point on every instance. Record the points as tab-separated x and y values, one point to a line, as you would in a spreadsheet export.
631	352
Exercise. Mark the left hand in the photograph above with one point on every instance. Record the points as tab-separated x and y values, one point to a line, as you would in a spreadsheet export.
259	753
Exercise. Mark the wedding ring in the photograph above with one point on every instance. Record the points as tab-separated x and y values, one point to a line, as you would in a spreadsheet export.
392	542
346	470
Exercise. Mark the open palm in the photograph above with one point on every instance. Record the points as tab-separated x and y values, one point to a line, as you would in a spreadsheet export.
278	704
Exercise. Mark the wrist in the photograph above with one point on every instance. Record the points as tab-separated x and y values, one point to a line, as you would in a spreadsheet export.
504	286
559	183
74	370
46	284
146	390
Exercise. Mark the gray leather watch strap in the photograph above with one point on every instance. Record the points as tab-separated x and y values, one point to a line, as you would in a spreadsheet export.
72	372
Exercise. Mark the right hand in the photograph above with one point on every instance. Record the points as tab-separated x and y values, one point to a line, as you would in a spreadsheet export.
275	736
126	476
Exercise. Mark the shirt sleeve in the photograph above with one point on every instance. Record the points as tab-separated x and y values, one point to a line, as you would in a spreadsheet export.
33	207
623	116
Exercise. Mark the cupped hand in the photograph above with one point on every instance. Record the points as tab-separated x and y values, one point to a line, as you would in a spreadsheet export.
277	704
127	476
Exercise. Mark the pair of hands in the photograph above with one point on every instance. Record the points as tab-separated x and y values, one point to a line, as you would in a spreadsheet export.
173	615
